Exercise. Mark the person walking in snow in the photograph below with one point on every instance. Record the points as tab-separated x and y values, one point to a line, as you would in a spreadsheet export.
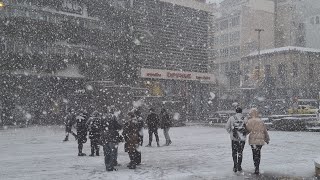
153	125
258	136
110	139
131	136
69	121
166	123
137	113
237	130
82	129
94	125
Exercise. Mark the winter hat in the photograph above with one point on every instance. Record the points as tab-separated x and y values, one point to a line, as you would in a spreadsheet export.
254	113
238	110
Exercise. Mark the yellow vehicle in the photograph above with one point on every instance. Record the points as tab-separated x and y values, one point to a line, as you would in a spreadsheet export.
303	109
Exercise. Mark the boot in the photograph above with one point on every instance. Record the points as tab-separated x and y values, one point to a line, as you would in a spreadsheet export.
256	171
97	153
148	145
132	166
158	144
235	168
81	154
66	139
169	142
92	152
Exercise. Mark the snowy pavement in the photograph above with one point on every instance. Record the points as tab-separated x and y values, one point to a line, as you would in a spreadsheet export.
196	153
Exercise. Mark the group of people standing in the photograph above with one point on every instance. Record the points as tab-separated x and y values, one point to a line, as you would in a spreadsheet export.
104	129
239	126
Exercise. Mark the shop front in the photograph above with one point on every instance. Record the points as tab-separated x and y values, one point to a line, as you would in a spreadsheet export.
183	93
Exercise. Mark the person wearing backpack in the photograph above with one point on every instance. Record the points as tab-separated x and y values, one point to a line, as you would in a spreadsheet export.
236	127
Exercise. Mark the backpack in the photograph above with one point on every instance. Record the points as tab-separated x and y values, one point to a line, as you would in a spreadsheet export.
239	128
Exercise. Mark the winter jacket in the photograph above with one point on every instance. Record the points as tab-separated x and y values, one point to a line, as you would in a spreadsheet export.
153	121
81	121
234	125
109	130
258	132
69	120
166	121
94	125
131	135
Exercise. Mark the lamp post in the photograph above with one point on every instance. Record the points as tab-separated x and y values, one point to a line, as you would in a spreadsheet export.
2	5
259	49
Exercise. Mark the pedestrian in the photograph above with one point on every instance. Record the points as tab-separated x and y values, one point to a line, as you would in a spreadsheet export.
153	125
94	126
131	137
258	136
110	138
81	121
138	115
238	135
69	121
166	123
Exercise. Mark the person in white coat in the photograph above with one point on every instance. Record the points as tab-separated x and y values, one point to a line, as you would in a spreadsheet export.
236	128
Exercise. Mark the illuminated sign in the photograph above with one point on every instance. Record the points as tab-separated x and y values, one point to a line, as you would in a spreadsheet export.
177	75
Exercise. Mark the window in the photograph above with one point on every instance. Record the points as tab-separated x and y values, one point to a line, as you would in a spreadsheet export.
234	51
235	37
294	69
224	52
282	73
312	20
224	25
311	71
224	39
235	21
267	71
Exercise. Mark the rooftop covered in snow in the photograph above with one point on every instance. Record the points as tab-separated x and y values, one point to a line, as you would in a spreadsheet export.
284	49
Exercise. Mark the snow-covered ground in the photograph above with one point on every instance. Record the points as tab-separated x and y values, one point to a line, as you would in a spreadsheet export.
196	153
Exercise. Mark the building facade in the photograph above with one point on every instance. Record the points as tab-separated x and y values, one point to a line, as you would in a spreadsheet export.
235	36
172	55
281	73
295	23
52	54
62	54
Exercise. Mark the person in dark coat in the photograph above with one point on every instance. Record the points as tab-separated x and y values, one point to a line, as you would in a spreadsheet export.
110	139
153	125
81	121
166	123
94	125
69	121
131	137
138	115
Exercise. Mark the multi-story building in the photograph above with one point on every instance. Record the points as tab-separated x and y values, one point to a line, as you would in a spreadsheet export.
172	56
287	72
52	50
236	36
66	53
295	23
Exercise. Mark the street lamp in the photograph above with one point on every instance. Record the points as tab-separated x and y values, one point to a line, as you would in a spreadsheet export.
259	49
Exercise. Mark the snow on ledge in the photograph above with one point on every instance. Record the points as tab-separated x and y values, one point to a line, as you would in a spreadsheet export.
282	49
70	71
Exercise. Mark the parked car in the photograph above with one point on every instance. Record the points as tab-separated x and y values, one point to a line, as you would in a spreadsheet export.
303	109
